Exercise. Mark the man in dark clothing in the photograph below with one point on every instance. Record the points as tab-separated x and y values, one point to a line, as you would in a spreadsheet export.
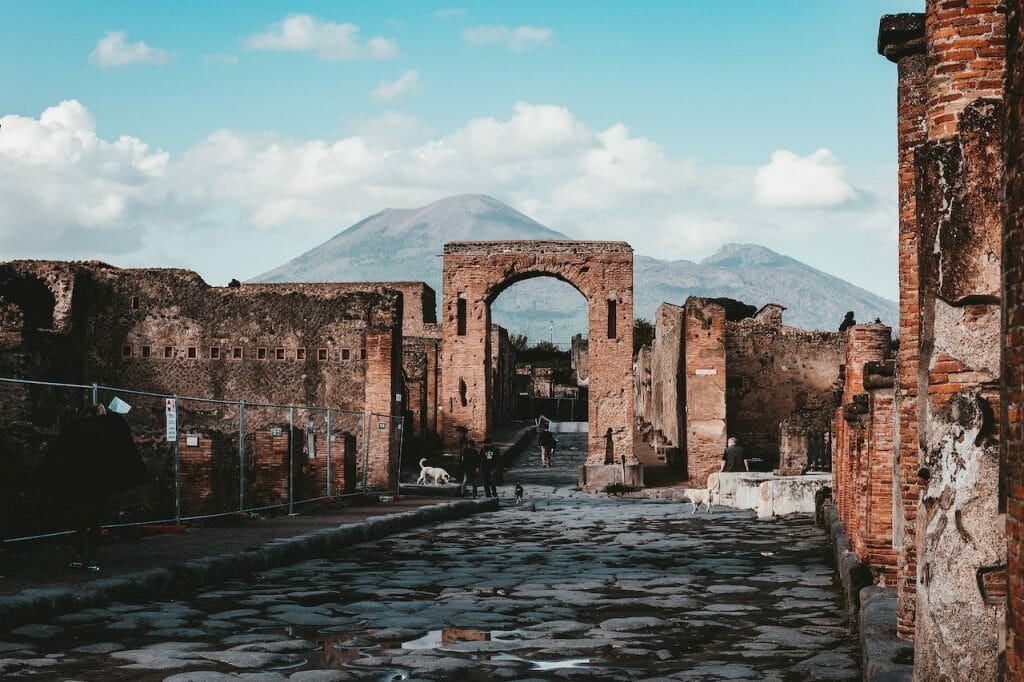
490	467
734	459
469	462
547	446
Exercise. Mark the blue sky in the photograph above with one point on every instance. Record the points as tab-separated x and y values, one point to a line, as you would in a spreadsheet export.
231	136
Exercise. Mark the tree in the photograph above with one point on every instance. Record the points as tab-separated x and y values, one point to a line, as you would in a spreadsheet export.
643	334
847	322
519	342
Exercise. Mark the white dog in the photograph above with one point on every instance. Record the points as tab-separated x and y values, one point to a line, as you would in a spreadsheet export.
437	474
699	496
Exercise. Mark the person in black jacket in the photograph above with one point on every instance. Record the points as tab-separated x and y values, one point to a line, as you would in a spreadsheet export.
547	447
469	463
490	467
92	458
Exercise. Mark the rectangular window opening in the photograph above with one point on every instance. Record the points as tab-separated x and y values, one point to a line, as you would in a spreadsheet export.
126	351
214	353
135	302
362	353
168	351
345	353
460	315
191	352
146	351
611	318
321	354
279	353
236	353
261	353
300	353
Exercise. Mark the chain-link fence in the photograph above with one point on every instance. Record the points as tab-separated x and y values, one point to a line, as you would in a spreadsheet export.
205	457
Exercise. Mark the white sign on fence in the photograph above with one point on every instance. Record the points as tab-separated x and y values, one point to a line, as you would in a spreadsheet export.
171	413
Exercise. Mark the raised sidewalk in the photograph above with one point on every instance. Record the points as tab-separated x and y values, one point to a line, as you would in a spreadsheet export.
37	583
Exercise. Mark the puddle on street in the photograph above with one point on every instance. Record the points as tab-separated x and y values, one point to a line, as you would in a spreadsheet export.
438	638
548	665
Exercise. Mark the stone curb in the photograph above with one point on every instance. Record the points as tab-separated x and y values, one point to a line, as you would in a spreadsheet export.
42	604
872	608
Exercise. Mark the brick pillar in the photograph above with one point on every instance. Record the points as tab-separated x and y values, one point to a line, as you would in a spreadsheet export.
383	382
879	381
865	343
704	383
1012	401
960	535
196	473
901	40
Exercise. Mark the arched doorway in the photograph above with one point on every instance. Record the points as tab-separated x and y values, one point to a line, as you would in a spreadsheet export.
475	273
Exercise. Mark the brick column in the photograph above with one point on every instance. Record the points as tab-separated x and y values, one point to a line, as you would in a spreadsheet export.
383	383
1013	343
960	535
901	40
704	385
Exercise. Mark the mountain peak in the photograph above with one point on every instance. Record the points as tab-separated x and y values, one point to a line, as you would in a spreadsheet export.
732	255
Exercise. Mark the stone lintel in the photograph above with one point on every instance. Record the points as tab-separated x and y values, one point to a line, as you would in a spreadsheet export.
524	246
901	35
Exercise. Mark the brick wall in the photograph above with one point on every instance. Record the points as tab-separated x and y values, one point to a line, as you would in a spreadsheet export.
958	177
1012	401
901	39
667	408
477	272
704	377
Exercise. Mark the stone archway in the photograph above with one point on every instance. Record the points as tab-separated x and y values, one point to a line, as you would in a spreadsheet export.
475	273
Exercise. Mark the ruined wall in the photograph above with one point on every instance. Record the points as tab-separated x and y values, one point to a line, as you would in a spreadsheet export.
667	382
579	359
704	380
503	376
167	331
901	39
779	374
961	537
642	392
862	461
1012	401
475	273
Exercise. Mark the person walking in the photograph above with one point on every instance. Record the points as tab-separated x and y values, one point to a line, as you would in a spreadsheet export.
733	459
469	463
547	444
490	466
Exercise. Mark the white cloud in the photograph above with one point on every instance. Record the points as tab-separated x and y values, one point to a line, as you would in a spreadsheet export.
221	58
406	84
113	49
791	181
450	12
518	39
330	41
237	204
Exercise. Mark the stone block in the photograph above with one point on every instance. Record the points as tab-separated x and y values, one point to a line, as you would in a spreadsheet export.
597	477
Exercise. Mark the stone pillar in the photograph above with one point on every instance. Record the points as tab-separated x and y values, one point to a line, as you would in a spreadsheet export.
901	40
961	542
667	382
793	449
704	385
1012	399
384	382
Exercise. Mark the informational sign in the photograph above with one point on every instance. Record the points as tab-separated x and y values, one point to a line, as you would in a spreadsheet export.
706	372
382	425
171	414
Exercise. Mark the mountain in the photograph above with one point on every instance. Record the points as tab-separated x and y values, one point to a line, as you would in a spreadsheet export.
406	244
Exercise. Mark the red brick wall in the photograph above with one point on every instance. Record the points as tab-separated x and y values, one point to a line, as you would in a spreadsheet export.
1013	343
704	382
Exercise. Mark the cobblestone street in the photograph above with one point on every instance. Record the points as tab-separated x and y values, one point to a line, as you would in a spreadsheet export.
585	587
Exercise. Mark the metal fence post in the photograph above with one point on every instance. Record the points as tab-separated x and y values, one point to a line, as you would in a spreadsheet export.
177	469
95	394
291	460
330	436
241	455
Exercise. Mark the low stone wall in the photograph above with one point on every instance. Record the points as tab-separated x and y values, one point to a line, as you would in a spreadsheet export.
728	484
782	495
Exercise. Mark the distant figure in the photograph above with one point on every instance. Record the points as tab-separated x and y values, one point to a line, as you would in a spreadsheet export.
847	322
234	284
490	467
469	463
92	459
733	459
609	447
519	493
547	447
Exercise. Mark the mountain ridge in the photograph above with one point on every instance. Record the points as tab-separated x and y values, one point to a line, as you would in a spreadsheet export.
406	244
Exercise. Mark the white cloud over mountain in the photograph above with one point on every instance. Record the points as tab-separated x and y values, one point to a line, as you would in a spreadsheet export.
328	40
518	39
791	181
239	203
113	49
